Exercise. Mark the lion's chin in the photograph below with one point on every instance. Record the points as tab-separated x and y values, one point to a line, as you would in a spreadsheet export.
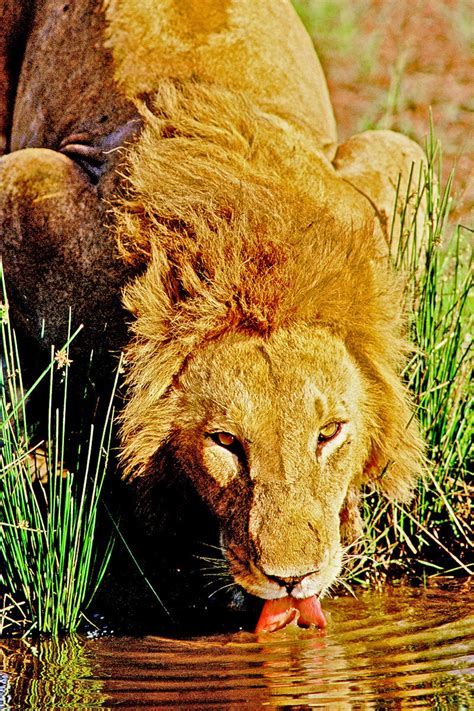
277	614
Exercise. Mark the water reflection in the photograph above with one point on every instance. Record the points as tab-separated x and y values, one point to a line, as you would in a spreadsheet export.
401	648
52	673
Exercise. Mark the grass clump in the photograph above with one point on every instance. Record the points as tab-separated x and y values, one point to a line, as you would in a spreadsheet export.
50	560
434	533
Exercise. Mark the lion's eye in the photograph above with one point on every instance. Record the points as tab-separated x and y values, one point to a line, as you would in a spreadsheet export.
329	432
225	439
230	443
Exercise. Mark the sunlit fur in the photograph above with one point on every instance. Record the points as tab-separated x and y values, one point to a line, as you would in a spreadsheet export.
254	297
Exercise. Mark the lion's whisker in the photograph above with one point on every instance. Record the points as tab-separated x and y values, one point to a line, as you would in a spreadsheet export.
214	566
210	545
206	573
210	583
223	587
211	561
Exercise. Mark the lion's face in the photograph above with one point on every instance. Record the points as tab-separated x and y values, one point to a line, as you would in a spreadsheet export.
273	433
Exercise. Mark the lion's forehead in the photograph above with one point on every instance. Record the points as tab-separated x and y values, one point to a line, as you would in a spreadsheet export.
284	384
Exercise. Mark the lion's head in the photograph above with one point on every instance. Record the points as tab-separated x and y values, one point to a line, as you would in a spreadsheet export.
268	341
273	433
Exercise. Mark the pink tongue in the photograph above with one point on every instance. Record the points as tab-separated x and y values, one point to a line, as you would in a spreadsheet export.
277	614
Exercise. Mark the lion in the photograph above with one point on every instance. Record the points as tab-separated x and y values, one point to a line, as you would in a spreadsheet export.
190	169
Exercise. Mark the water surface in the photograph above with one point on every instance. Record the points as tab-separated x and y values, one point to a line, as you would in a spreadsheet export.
398	648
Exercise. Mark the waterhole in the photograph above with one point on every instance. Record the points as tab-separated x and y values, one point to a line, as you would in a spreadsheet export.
397	648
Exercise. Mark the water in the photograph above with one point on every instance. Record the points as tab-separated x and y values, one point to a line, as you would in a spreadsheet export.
398	648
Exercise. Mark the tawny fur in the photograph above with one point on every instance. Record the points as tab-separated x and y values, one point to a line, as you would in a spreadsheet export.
233	242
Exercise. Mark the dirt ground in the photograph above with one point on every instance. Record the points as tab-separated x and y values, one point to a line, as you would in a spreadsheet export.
388	62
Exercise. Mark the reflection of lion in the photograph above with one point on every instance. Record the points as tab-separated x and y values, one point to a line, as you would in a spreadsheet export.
268	334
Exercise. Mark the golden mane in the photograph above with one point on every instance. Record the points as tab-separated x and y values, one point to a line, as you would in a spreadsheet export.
225	217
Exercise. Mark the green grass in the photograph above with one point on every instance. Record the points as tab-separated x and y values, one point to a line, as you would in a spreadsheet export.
434	533
334	25
336	21
50	561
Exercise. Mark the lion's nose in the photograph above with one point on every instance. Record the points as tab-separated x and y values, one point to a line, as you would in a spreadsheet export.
291	582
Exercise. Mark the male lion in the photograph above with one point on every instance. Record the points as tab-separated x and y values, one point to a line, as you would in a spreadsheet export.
267	333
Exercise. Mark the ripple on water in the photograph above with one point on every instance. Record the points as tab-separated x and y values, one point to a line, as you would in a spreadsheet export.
400	648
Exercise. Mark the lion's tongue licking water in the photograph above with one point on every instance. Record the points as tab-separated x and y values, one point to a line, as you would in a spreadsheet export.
276	614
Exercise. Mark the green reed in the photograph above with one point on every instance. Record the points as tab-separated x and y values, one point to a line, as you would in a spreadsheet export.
434	532
50	560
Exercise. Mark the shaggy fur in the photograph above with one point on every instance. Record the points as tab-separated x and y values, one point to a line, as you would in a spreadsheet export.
234	243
